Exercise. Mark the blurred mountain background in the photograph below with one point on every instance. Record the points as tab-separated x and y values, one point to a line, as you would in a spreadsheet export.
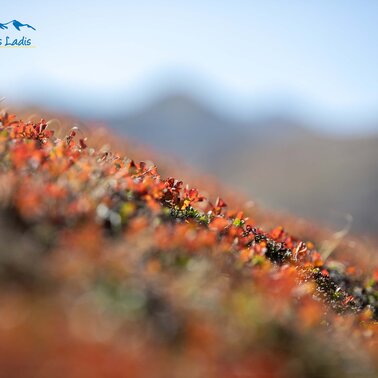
279	162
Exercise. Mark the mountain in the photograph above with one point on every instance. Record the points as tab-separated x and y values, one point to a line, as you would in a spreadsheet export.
182	126
17	24
280	162
189	129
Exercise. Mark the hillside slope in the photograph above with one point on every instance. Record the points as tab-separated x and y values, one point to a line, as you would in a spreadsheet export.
109	269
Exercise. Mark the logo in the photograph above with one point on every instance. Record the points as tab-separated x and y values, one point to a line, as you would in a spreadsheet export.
11	39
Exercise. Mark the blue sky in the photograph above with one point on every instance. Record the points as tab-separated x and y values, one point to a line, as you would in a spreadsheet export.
317	58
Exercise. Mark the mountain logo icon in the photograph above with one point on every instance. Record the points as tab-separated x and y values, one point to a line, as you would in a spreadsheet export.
16	24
